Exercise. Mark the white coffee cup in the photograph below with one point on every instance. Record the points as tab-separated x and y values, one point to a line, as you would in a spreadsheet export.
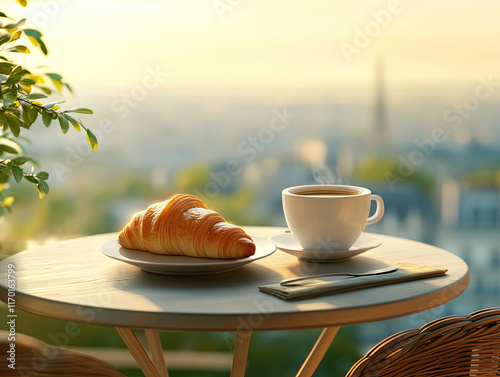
329	217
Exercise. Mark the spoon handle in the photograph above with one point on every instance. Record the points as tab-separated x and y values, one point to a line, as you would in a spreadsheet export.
353	274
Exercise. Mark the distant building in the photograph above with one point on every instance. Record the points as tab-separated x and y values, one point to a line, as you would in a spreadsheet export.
460	217
479	208
474	236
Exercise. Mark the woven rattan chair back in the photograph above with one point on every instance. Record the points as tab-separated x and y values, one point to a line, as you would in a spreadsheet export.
35	358
450	346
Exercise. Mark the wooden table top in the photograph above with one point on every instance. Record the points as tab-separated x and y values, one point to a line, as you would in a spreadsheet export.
73	281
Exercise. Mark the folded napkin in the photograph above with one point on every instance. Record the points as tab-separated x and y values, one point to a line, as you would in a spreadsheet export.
327	286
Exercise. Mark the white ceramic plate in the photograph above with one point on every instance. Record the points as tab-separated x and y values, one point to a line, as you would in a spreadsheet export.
289	244
183	265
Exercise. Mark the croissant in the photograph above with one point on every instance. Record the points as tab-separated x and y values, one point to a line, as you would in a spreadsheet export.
183	225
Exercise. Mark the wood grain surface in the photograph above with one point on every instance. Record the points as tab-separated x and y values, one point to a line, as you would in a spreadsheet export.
72	280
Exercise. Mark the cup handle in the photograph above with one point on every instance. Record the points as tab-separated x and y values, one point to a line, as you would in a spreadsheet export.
379	212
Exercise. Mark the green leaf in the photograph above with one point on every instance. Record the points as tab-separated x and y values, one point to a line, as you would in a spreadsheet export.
45	90
19	48
4	38
43	175
16	70
4	176
29	114
14	124
74	122
55	76
92	140
80	110
5	148
35	37
31	178
28	81
17	172
26	117
2	14
47	118
22	2
23	49
6	68
3	123
16	75
23	124
36	96
32	114
68	87
33	33
14	111
9	96
45	186
64	123
16	35
22	71
13	79
21	160
43	47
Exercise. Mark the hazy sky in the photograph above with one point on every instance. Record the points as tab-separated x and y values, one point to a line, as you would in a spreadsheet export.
264	43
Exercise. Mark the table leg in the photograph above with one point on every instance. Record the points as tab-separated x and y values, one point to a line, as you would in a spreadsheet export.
240	353
156	351
138	352
318	351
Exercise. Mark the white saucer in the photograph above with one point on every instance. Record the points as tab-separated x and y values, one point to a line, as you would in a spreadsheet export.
289	244
183	265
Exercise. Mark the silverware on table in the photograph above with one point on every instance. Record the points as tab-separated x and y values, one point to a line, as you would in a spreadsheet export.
380	271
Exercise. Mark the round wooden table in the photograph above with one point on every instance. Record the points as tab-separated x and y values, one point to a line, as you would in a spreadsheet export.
73	281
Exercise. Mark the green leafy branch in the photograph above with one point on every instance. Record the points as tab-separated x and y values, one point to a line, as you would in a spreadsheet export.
15	167
20	108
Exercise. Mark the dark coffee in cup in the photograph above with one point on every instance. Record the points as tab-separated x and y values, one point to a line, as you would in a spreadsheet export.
329	217
333	193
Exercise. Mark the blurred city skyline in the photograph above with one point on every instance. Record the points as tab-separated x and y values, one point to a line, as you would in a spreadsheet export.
175	86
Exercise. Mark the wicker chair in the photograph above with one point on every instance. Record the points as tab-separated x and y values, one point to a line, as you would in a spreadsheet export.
450	346
35	358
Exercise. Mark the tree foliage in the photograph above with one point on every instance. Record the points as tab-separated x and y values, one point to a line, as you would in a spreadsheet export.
23	96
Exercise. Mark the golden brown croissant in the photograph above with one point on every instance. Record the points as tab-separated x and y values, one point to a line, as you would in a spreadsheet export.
183	225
